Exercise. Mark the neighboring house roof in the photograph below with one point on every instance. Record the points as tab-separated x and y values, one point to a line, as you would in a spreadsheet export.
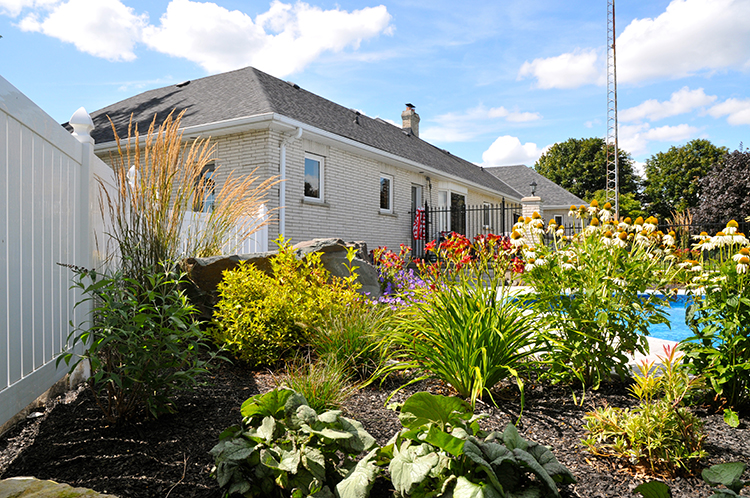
520	177
250	92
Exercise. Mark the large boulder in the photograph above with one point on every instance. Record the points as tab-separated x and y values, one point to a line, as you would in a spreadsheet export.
206	273
28	487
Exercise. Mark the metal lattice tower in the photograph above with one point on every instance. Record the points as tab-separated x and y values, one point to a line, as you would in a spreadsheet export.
613	176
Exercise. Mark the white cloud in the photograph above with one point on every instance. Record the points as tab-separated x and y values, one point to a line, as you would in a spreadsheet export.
569	70
465	126
281	41
13	8
681	102
103	28
635	138
736	110
689	37
507	150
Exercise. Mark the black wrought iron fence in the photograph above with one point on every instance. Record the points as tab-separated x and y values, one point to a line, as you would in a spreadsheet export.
436	224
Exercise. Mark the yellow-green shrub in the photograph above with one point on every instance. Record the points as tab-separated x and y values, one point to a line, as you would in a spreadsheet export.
261	319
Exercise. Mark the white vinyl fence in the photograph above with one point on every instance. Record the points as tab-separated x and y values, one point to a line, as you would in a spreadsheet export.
194	223
45	198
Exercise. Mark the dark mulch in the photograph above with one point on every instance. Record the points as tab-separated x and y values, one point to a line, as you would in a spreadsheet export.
72	442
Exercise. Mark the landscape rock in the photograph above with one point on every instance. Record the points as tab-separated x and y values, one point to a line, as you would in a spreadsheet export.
29	487
206	273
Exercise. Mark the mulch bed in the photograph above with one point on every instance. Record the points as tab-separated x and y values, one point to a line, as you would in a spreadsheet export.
72	442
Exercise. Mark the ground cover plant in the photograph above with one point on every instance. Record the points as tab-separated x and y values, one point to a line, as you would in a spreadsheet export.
283	447
588	290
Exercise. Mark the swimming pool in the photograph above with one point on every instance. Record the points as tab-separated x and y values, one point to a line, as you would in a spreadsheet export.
676	315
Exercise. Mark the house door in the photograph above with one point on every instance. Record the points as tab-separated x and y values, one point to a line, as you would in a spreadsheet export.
458	213
416	198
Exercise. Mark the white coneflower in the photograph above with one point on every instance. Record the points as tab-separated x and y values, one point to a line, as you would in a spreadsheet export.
650	224
530	265
529	253
573	211
568	265
619	281
642	238
625	224
516	239
744	253
638	224
731	227
739	239
742	264
593	208
669	239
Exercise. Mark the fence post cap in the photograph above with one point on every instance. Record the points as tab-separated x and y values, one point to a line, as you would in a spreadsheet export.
82	125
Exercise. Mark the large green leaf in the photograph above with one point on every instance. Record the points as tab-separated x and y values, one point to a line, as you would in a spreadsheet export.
410	466
360	480
314	461
445	441
268	404
527	460
727	474
557	471
467	489
654	489
423	408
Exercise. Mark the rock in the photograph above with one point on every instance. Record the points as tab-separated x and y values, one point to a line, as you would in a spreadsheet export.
206	273
29	487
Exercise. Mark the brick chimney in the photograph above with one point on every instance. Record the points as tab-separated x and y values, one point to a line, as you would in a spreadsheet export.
410	120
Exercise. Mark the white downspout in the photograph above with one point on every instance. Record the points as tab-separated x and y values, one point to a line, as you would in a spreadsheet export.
287	140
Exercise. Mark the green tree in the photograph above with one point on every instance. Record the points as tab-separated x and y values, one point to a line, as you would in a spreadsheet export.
580	166
673	178
724	190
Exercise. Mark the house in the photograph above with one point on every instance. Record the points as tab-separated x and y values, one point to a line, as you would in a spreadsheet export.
554	201
344	174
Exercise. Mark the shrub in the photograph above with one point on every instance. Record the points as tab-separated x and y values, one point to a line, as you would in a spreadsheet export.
440	451
659	433
720	316
142	344
261	319
284	448
325	384
588	291
467	331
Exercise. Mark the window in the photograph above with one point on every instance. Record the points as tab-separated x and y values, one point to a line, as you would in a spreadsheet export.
487	215
559	220
314	166
416	198
386	193
452	213
205	189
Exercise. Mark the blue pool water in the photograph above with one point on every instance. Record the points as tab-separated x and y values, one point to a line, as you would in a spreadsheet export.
676	315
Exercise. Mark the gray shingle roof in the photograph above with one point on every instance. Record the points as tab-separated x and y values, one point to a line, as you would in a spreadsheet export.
250	92
520	178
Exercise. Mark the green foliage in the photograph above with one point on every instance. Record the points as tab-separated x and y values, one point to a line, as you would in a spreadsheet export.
588	292
659	433
580	166
351	339
441	451
727	474
724	190
720	317
143	342
630	206
325	384
285	448
261	319
674	177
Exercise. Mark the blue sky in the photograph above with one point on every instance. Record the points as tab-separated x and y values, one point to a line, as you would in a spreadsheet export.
495	82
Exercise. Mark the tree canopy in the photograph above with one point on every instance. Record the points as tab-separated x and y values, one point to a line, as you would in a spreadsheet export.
725	190
580	166
630	206
673	178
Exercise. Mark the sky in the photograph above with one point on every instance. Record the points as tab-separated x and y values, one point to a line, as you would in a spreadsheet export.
496	82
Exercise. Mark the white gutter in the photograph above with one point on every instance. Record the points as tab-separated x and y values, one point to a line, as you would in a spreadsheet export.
287	140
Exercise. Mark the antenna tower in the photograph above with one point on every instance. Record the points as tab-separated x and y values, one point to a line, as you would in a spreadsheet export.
613	175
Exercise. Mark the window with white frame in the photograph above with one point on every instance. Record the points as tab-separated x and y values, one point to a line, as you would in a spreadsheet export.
386	193
205	189
314	169
487	216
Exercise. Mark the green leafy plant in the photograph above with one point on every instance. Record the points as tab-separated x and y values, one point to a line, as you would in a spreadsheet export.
143	341
720	316
262	319
727	474
325	384
466	330
441	451
588	291
284	448
659	433
351	339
